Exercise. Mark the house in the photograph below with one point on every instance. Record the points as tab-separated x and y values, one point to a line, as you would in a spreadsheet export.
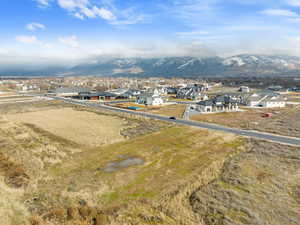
218	104
88	96
266	99
172	90
131	93
192	93
295	89
244	89
150	98
275	88
70	91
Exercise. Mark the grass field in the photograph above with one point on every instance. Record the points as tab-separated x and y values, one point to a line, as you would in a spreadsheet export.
154	174
47	173
84	128
177	155
285	121
176	110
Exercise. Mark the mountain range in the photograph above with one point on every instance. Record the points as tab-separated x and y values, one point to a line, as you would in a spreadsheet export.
239	65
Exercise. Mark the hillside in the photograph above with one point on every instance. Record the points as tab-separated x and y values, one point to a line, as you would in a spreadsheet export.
240	65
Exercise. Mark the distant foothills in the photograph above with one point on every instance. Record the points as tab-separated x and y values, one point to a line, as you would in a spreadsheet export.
240	65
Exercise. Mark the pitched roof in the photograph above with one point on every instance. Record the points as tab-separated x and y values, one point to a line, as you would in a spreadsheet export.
205	103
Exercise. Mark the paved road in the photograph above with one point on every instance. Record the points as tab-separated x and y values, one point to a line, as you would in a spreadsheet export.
245	133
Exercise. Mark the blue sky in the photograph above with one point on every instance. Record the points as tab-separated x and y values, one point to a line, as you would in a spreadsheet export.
77	30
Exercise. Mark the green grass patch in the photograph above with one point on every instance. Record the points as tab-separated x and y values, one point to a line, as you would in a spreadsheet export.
170	155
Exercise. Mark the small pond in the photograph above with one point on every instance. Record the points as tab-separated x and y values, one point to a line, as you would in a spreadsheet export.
124	163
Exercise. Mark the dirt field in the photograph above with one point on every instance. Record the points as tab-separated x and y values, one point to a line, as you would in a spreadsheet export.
84	128
176	110
127	173
252	188
155	175
33	139
285	121
293	97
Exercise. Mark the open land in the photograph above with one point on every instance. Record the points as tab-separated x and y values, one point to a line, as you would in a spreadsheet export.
84	128
8	98
176	110
285	121
293	97
131	171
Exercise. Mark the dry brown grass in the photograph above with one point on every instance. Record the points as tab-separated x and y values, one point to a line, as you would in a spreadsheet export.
128	104
176	110
81	127
285	121
37	150
14	173
252	187
178	161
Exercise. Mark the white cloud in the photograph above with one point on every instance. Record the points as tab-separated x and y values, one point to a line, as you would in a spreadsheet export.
84	9
72	4
295	3
35	26
33	40
69	41
104	13
191	33
129	16
280	12
43	3
104	9
27	39
79	16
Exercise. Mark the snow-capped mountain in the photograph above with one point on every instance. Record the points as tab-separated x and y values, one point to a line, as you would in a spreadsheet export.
193	66
262	61
239	65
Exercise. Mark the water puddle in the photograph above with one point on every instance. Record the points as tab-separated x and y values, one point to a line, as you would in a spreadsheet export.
125	163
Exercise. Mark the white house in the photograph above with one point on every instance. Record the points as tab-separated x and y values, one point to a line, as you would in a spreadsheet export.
150	98
217	104
266	100
244	89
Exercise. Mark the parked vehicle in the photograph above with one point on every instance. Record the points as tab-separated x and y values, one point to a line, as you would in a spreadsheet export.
267	115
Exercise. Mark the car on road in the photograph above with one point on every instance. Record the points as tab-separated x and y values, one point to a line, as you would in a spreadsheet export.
172	118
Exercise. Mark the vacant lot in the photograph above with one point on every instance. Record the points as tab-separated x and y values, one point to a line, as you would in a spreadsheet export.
37	136
157	174
145	169
84	128
176	110
293	97
259	186
285	121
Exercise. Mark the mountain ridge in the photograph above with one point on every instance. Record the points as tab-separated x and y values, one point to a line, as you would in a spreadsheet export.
183	66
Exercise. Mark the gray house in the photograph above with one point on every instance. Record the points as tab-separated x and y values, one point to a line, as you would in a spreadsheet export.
191	93
217	104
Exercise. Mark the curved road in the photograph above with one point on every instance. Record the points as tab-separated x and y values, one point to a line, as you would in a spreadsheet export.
246	133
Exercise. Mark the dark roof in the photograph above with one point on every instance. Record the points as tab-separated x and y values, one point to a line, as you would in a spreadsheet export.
224	99
205	103
88	94
95	94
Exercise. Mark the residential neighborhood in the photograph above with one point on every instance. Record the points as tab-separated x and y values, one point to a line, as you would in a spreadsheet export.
150	112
